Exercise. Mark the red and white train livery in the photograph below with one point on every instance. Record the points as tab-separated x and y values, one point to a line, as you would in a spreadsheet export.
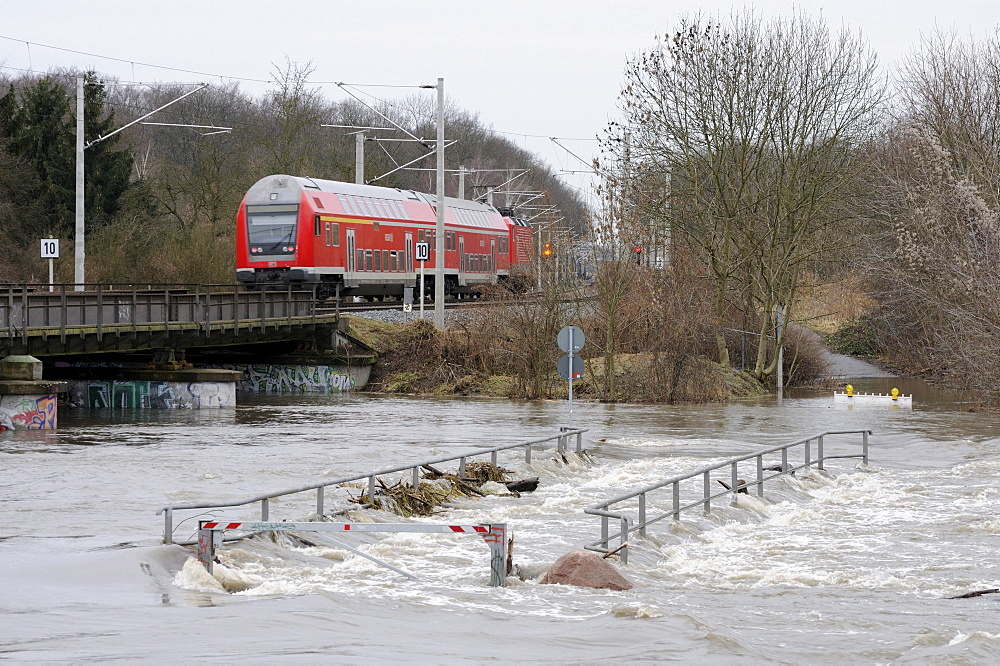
361	238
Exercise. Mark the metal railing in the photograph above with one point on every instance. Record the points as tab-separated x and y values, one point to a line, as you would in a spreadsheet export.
561	440
695	496
31	309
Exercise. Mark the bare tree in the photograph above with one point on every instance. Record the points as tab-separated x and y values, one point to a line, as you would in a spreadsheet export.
938	256
759	128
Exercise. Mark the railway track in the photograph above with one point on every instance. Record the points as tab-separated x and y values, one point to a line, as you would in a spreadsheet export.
327	308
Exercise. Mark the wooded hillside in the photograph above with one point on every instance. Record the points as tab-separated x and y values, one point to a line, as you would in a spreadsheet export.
161	200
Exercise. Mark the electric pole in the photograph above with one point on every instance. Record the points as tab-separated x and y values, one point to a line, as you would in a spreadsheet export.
439	227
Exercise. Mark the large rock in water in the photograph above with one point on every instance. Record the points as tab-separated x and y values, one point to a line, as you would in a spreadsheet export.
585	569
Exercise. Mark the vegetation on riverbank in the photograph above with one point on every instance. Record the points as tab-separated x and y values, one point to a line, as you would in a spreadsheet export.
762	178
416	358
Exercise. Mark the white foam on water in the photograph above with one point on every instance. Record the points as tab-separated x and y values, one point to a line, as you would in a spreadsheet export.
864	529
193	576
961	638
637	611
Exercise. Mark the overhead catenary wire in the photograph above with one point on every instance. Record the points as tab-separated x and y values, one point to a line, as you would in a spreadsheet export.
132	62
222	78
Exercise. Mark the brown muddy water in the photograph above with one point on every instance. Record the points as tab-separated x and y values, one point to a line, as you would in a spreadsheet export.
852	566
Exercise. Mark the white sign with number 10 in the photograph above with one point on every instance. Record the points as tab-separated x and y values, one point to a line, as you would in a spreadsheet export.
50	248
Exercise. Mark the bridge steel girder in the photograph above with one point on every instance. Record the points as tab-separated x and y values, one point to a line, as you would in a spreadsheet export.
89	340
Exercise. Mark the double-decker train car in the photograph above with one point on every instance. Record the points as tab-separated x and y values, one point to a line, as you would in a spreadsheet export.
360	239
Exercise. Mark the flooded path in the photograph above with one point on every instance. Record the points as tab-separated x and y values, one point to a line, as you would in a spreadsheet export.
853	566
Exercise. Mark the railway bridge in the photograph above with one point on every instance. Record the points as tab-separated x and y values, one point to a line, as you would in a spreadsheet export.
138	345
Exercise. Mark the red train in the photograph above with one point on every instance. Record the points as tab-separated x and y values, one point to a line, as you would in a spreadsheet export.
361	239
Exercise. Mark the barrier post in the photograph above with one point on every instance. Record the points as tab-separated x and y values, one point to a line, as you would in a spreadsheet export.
168	526
760	476
864	446
496	539
819	452
736	484
208	541
623	552
642	514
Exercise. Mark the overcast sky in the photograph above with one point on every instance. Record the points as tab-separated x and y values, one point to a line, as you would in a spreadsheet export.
550	68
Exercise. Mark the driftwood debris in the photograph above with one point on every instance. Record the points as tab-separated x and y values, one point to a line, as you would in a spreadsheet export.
977	593
741	486
523	485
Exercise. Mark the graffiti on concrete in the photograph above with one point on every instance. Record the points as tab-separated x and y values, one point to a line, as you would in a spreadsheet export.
27	412
141	394
271	378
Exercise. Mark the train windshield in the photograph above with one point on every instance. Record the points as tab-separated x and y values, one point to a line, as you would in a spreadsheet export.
271	229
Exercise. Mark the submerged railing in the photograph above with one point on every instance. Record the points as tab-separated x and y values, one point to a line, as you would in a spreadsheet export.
561	441
633	518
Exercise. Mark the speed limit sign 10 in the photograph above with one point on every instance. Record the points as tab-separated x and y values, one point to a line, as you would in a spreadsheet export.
50	248
423	251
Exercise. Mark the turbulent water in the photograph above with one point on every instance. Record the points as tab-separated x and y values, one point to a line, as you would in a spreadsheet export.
851	565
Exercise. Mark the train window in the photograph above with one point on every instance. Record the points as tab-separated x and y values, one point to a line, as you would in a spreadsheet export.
319	204
393	263
317	226
361	259
335	234
375	226
378	260
420	235
504	248
368	260
371	206
385	260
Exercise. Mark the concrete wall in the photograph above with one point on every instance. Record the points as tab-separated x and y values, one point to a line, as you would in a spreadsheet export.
150	394
283	378
27	412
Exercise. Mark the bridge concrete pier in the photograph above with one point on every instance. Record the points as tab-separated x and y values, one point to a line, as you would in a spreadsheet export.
140	388
27	402
301	373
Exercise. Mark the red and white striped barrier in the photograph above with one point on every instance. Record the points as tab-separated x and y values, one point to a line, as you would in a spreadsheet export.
495	535
258	526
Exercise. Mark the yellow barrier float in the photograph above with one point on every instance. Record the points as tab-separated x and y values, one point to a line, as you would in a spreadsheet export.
892	399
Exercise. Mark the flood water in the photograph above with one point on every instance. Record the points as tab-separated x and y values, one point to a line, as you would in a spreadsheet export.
854	565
